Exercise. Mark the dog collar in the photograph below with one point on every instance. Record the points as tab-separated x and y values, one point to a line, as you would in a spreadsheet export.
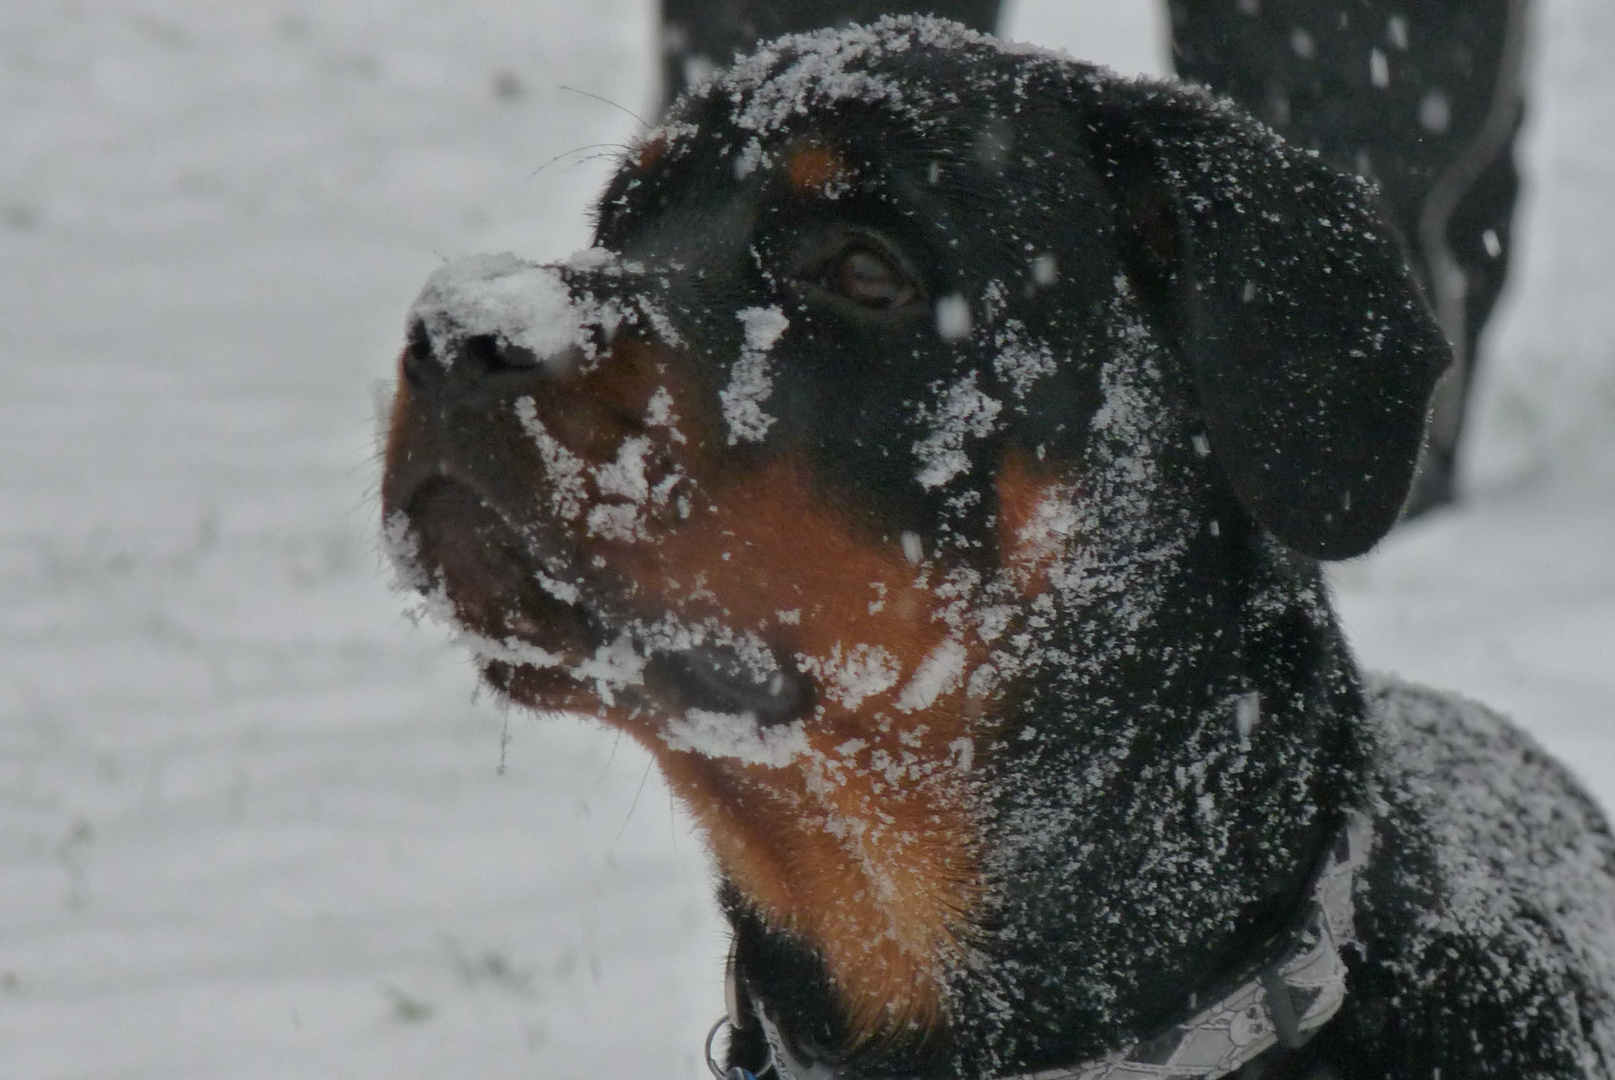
1285	1001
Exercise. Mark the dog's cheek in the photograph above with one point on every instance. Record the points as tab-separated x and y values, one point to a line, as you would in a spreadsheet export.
1039	519
854	828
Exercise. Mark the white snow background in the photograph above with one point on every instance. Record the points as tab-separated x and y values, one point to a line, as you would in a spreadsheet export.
252	822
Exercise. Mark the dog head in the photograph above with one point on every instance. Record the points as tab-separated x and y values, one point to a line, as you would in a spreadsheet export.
934	443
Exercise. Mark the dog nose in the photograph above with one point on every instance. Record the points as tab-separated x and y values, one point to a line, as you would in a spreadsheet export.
494	323
476	362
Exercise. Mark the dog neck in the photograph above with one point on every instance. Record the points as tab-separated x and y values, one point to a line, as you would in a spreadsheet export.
1179	750
1283	1000
1153	852
1176	756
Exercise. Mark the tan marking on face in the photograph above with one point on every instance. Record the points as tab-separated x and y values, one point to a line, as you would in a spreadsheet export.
816	170
1036	522
651	151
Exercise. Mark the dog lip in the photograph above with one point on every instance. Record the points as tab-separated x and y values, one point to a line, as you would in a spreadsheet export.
715	678
493	575
492	569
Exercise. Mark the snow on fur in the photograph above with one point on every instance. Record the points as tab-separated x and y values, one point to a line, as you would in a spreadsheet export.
515	301
206	673
750	381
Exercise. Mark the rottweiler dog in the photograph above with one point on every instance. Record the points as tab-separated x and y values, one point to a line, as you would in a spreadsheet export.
930	464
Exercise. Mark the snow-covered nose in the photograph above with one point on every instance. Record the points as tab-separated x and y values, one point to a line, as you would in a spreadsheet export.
486	319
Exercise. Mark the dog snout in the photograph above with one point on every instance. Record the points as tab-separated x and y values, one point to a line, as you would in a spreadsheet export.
468	365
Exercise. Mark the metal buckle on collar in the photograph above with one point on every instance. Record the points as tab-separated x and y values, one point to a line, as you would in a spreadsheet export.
735	1073
730	1017
783	1062
1286	1002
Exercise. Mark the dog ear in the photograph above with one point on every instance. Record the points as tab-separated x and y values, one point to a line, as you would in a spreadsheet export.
1312	351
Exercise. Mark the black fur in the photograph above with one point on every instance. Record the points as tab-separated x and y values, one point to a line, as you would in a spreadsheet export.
1215	334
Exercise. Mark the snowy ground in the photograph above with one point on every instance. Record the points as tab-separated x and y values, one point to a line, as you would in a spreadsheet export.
252	823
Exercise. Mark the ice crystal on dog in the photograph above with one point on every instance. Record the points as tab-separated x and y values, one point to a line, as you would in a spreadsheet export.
750	381
518	303
1021	361
963	413
941	672
736	737
851	675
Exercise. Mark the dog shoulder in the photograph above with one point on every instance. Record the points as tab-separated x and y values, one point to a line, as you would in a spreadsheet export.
1490	906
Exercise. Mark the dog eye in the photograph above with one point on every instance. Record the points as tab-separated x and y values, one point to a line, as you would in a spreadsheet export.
868	278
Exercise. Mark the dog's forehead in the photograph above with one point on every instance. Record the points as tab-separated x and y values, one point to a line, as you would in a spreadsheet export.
900	66
929	84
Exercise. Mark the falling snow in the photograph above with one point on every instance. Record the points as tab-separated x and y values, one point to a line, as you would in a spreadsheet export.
255	822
